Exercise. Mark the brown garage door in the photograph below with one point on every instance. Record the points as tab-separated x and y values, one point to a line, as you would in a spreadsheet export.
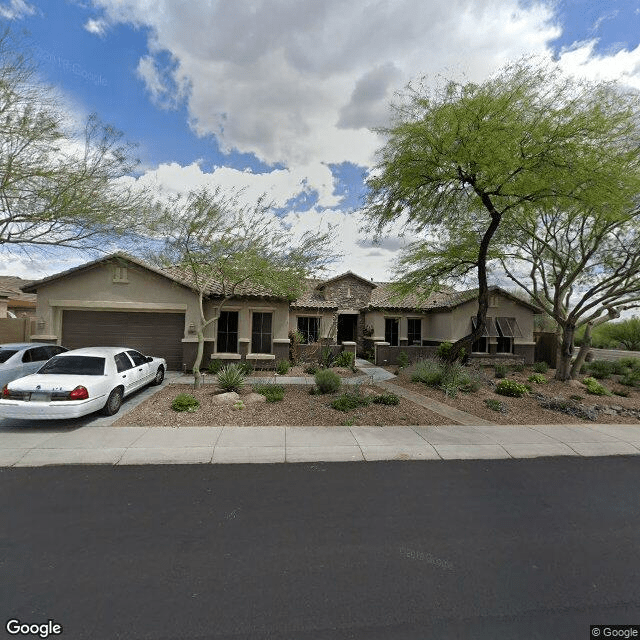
154	334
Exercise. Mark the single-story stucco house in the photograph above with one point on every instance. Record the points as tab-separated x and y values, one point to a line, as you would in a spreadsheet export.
120	300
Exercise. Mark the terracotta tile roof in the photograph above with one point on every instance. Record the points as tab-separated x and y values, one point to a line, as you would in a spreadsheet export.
384	297
313	298
214	288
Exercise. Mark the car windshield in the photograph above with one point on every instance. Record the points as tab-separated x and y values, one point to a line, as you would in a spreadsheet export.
74	365
5	354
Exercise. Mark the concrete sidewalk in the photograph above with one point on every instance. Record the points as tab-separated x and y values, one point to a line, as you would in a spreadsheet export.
24	447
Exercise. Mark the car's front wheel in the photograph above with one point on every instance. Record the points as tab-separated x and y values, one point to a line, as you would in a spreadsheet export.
114	402
159	377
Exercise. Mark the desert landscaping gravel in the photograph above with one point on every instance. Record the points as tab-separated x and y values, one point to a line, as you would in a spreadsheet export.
298	408
527	410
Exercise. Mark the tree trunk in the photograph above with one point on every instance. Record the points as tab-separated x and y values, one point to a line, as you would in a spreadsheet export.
563	370
197	376
483	285
582	354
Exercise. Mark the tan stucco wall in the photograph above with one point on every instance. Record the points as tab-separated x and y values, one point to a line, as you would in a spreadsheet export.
438	326
502	308
145	291
94	289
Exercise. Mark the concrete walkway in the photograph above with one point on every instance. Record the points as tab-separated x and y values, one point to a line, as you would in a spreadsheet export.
24	447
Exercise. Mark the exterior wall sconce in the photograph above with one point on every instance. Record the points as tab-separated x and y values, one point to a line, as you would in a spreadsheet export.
192	327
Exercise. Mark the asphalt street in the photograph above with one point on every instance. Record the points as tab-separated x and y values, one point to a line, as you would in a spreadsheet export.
494	549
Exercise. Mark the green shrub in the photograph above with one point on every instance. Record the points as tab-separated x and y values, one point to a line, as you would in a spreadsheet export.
311	369
443	352
540	367
576	398
455	377
511	388
215	366
246	368
631	379
538	378
403	359
231	378
500	370
272	392
594	387
619	369
631	363
387	398
185	402
600	369
344	359
496	405
327	381
428	372
326	357
282	367
518	367
350	400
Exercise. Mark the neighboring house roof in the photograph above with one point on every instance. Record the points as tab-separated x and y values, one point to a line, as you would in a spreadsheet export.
11	289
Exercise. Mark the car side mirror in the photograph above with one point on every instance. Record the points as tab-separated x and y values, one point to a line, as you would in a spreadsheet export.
149	359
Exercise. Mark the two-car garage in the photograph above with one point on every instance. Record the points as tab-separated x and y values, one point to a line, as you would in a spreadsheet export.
152	333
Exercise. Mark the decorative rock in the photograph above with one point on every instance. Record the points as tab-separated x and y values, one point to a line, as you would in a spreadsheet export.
224	398
253	398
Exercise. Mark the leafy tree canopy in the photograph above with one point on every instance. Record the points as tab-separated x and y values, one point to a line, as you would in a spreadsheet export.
460	159
227	249
59	186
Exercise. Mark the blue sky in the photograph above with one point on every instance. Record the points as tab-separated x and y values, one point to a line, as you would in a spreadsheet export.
279	96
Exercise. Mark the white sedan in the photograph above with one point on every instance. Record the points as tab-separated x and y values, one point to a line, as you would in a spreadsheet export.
79	382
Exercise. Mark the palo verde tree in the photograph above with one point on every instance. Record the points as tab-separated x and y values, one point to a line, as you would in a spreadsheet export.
225	249
460	159
581	267
60	184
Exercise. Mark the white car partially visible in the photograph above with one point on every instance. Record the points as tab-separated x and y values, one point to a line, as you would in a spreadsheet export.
79	382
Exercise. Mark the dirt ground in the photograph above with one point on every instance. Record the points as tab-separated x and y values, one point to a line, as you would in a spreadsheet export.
527	410
298	408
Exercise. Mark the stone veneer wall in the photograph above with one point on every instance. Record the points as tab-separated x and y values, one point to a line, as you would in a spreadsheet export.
338	292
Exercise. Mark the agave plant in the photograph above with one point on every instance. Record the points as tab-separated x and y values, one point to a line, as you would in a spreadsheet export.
231	378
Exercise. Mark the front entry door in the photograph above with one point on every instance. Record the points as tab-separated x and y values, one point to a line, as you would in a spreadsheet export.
347	327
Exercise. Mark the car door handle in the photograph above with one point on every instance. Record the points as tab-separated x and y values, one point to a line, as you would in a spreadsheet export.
140	369
125	375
